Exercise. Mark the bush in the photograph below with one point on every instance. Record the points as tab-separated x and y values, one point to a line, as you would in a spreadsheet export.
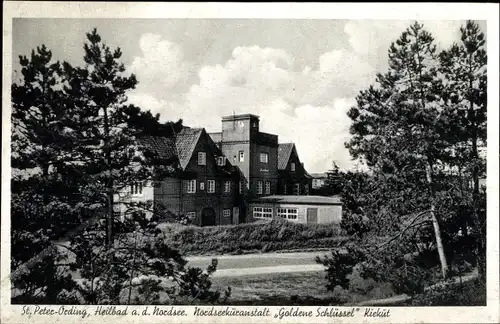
472	293
268	236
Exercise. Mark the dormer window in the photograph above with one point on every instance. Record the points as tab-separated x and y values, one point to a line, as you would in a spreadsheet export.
202	158
221	160
292	166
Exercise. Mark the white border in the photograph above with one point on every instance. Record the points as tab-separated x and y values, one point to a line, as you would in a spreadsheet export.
400	11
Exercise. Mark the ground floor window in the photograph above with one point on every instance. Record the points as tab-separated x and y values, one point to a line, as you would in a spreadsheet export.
261	212
226	213
191	215
268	188
288	213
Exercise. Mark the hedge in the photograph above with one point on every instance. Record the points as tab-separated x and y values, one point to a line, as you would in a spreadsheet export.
264	236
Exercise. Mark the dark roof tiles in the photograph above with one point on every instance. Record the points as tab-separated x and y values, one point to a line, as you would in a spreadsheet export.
284	151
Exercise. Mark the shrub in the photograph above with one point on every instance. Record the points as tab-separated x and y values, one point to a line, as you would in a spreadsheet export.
472	293
261	236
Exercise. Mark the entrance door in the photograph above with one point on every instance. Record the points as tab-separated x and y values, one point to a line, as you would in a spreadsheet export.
236	215
207	217
312	215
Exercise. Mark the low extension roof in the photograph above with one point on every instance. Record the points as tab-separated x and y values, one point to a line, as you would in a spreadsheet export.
300	200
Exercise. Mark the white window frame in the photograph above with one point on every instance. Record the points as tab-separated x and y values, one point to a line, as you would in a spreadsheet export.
287	213
210	186
191	186
259	187
292	166
268	187
221	160
296	189
136	188
241	156
202	185
202	158
226	213
264	157
263	212
227	186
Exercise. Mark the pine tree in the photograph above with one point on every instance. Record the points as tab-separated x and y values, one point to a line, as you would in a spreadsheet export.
107	146
464	68
41	142
398	125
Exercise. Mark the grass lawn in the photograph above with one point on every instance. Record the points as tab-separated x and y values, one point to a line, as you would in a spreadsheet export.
306	288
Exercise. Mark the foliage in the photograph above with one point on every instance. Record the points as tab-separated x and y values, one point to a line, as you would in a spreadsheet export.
139	269
74	148
338	266
273	235
418	130
471	293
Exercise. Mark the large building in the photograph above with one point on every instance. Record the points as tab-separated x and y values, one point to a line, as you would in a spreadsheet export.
202	185
220	177
254	152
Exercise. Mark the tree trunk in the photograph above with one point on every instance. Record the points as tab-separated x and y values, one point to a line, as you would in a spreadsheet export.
435	223
109	221
479	224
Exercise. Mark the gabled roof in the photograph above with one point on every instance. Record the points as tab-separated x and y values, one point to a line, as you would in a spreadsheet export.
284	152
163	147
185	143
180	146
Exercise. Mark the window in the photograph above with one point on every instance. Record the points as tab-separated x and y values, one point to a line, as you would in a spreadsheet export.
268	188
306	189
259	187
241	186
226	213
136	188
202	158
284	189
241	154
227	186
260	212
221	160
264	157
296	189
292	166
191	215
287	213
191	186
211	186
202	185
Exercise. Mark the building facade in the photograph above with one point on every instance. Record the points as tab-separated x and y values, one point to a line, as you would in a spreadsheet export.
299	209
203	187
218	178
255	153
293	177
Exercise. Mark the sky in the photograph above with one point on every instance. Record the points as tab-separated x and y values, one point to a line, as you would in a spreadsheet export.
300	76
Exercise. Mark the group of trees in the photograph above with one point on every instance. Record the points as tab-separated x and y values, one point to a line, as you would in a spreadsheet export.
74	146
418	129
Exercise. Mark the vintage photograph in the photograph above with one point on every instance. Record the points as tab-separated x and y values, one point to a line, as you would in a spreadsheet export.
248	162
